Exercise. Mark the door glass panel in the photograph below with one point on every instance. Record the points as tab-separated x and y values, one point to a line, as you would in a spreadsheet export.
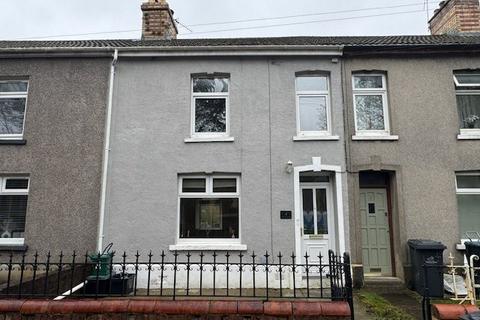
322	215
308	220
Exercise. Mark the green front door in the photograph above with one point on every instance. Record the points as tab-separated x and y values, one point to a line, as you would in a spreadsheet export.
375	232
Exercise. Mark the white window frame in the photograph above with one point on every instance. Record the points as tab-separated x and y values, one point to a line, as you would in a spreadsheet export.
211	95
372	92
5	191
209	244
458	84
465	191
314	94
461	90
15	95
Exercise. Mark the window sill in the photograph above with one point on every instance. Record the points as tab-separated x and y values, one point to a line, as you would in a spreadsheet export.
373	138
466	136
13	248
12	244
316	138
13	142
199	140
208	247
461	246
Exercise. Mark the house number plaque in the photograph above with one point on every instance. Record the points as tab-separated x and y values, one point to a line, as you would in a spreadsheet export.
286	215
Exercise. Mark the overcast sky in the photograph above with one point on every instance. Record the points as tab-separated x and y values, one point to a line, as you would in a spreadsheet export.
47	18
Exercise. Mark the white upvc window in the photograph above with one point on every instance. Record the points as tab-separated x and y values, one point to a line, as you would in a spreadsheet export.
468	104
13	209
210	107
370	105
468	202
209	211
313	105
13	102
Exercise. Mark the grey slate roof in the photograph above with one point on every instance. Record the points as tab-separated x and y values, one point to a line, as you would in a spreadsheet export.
348	42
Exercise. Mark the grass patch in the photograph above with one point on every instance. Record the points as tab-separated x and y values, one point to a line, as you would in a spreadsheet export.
381	308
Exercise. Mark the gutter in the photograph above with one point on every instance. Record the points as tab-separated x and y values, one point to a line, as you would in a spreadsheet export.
106	153
269	50
177	51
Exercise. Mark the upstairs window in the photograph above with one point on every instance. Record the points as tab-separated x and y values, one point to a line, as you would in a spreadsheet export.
468	101
468	202
210	107
13	209
313	105
370	104
209	208
13	101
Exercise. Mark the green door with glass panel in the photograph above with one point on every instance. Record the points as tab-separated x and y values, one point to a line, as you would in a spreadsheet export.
317	228
375	232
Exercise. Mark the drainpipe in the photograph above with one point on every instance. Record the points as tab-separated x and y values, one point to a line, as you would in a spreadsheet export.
106	153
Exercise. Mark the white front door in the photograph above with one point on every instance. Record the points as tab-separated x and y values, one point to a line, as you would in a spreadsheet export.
375	232
317	232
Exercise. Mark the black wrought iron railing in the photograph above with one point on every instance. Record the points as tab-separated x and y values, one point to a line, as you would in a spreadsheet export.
176	275
437	281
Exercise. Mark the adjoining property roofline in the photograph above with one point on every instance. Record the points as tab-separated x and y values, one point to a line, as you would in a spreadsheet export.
92	52
403	51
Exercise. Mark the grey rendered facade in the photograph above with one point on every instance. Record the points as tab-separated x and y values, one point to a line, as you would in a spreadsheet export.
422	164
61	149
150	147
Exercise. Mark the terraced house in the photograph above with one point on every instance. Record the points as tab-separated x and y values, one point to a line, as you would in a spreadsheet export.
299	144
52	116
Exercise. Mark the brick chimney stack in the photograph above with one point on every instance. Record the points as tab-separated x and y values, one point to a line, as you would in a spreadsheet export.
456	16
158	21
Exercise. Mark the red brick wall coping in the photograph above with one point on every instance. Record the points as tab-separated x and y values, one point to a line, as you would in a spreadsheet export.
336	310
452	311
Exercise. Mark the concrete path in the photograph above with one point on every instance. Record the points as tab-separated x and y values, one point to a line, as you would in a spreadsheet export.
360	311
406	300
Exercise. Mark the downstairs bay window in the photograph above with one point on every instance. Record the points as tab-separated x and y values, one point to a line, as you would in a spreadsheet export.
209	213
468	201
13	209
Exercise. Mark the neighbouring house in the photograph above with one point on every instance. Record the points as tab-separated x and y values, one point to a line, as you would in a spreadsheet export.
52	117
413	159
295	145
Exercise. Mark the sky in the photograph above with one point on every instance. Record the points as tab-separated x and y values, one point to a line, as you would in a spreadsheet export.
86	19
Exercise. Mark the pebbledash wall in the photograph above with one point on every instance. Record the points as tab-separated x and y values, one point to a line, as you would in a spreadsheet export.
64	129
151	120
424	160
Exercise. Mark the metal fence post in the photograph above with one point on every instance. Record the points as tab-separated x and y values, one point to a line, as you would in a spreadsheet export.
348	283
426	307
